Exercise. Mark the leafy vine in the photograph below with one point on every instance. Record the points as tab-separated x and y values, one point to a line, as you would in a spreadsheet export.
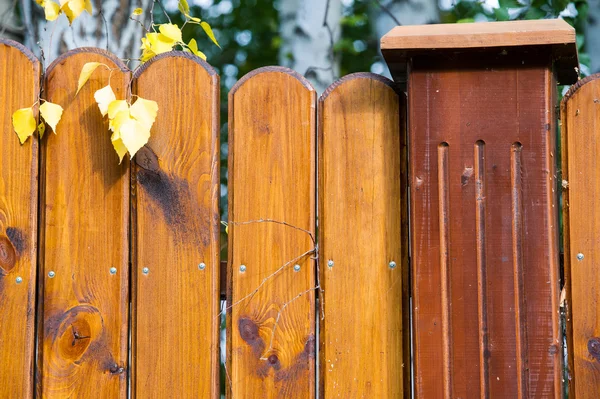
130	123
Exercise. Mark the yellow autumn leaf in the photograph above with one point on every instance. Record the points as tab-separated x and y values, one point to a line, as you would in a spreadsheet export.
24	123
154	44
74	8
40	2
193	19
85	74
119	147
51	114
114	124
209	32
144	111
138	11
193	47
104	97
51	10
41	129
184	7
171	31
134	135
117	106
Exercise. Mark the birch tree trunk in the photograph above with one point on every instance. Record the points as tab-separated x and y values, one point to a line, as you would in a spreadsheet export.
592	35
109	28
308	44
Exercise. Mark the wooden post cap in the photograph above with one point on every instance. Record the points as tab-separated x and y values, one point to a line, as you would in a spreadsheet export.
553	37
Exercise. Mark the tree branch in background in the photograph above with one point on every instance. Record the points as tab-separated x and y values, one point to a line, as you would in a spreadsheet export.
387	11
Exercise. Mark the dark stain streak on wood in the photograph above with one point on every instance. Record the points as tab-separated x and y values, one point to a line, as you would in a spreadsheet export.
18	239
249	333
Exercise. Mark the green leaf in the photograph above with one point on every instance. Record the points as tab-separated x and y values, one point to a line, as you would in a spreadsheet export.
534	13
509	4
501	14
184	7
465	21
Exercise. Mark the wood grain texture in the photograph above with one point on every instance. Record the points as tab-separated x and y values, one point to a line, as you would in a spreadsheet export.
83	337
19	88
361	202
176	228
478	35
272	175
581	200
484	229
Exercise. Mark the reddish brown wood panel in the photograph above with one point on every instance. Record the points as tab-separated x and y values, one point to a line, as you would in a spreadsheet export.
484	230
83	336
176	232
19	88
362	248
271	291
581	220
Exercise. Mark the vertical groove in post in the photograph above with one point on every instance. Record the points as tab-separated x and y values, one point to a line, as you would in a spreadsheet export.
480	202
444	204
517	241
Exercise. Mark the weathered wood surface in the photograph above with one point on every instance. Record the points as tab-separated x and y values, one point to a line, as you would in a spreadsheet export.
581	219
83	336
176	232
361	204
272	175
19	88
484	229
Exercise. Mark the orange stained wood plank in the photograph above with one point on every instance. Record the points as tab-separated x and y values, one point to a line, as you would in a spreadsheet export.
272	175
362	200
19	88
84	219
581	201
478	35
484	231
176	255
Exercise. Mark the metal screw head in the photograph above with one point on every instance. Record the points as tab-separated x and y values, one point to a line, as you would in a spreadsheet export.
296	268
330	263
145	270
580	256
392	265
19	280
201	266
113	270
51	274
242	268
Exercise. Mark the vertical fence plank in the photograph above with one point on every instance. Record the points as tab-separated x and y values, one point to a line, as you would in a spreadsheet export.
176	232
581	219
19	88
271	336
484	229
85	219
361	200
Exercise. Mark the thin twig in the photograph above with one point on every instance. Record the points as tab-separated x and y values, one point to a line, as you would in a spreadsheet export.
264	281
387	11
270	348
276	222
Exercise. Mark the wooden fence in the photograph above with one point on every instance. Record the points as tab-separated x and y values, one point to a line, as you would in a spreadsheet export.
110	275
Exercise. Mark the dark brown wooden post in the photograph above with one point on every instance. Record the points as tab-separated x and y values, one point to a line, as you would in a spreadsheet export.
484	209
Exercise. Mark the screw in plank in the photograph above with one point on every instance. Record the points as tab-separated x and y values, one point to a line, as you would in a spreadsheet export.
392	265
51	274
19	280
330	263
242	268
580	256
145	270
202	266
113	270
296	268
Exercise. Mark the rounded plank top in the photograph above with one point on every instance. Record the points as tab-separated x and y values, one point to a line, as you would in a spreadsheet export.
19	88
